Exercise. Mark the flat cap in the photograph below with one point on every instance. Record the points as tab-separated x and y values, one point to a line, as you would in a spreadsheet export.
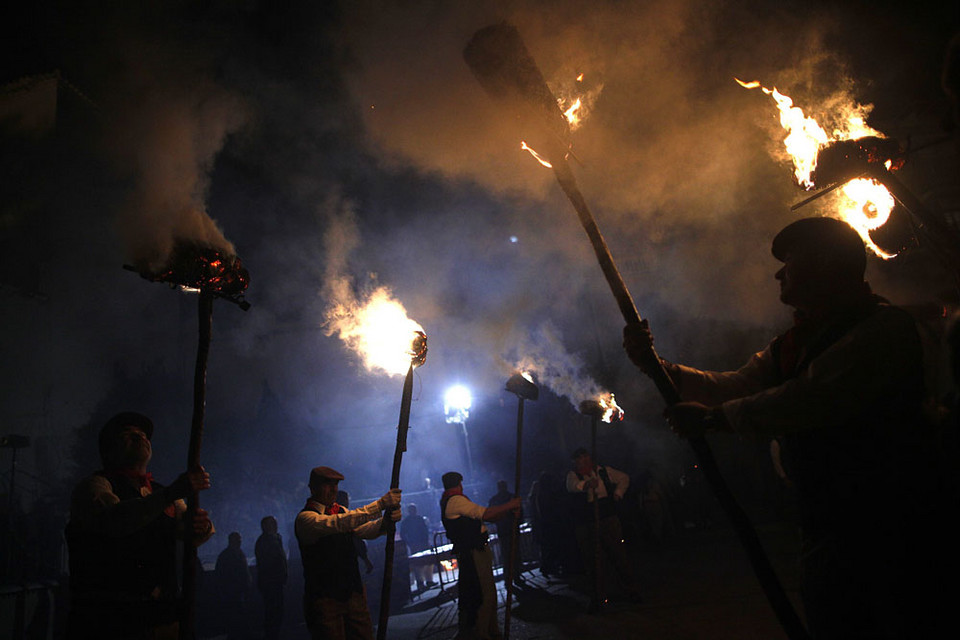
116	424
319	475
451	479
829	237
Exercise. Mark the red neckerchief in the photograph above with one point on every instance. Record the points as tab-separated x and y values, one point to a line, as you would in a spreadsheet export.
333	509
456	491
141	479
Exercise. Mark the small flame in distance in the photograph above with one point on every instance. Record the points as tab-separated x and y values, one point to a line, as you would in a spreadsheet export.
864	204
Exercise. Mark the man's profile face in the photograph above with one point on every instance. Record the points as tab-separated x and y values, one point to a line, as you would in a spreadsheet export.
326	492
583	463
800	278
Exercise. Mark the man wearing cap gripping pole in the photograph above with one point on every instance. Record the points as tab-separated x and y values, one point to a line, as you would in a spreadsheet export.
122	539
477	592
334	600
841	392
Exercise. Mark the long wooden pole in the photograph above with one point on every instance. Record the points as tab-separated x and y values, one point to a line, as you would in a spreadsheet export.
599	600
389	550
189	585
514	530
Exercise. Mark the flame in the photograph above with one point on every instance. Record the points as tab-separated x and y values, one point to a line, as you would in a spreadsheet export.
527	376
379	331
864	204
571	113
611	410
540	159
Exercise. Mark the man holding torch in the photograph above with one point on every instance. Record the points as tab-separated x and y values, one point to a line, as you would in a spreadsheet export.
841	391
607	486
334	600
122	539
463	521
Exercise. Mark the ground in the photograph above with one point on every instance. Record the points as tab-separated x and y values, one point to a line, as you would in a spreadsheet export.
699	585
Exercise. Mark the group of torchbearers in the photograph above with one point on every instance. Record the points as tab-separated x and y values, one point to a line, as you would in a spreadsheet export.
841	392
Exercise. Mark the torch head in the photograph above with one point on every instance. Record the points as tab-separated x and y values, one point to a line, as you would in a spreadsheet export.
196	267
523	386
592	408
847	159
418	349
505	69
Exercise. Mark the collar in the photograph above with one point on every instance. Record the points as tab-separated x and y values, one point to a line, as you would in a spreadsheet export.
456	491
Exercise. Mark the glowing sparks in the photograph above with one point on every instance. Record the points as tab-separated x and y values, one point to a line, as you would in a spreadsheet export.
864	204
571	113
524	146
379	331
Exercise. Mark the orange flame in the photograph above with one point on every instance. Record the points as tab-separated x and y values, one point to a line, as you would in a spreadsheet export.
378	330
864	204
611	410
539	158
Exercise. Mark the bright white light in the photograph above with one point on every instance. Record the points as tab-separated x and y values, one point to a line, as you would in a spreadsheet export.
514	239
457	403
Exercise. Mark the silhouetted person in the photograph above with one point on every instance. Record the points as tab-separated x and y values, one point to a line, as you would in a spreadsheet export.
271	576
334	600
233	585
122	539
415	533
463	521
505	525
841	391
607	486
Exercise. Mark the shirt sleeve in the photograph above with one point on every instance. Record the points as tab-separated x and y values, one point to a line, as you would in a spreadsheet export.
871	363
310	526
620	479
462	506
574	483
716	387
370	530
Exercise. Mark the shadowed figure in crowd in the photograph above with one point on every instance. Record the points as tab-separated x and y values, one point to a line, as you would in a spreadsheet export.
122	539
233	586
606	486
415	533
841	391
271	576
334	600
463	521
505	525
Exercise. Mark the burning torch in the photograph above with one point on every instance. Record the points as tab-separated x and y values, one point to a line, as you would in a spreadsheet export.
418	356
211	274
523	386
605	409
505	69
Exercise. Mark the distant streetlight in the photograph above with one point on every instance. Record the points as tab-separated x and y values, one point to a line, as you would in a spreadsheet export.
456	408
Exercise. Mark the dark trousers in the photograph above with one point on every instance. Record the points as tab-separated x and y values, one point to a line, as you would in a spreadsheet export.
272	611
332	619
612	548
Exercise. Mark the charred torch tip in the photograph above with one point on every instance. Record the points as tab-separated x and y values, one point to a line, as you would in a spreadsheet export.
523	386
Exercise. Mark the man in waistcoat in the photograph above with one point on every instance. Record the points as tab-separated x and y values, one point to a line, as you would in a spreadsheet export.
334	599
607	486
841	392
122	539
463	521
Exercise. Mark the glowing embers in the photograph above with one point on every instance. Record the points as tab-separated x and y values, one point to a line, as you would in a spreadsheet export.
202	268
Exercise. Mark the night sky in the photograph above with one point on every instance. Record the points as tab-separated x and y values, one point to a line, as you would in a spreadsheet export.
338	148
